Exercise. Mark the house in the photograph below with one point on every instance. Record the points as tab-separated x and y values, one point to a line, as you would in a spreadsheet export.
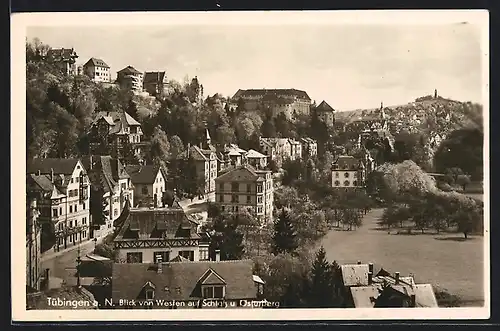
111	187
348	172
64	59
184	285
144	233
149	182
62	190
256	159
130	78
247	188
290	102
205	160
33	247
325	113
97	70
233	155
309	147
155	82
295	150
117	134
365	289
281	148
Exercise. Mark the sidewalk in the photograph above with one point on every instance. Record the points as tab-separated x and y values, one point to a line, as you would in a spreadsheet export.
50	254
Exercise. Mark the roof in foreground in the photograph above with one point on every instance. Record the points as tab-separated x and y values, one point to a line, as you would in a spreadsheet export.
96	63
46	165
182	280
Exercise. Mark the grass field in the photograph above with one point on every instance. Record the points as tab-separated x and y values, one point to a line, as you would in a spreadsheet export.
445	261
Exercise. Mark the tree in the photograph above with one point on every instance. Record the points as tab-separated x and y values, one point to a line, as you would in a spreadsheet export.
98	205
463	180
395	215
284	237
160	145
352	218
226	238
463	148
468	218
321	291
176	147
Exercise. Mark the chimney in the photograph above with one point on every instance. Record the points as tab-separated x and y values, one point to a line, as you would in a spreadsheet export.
39	173
359	262
413	302
370	267
370	278
159	263
52	175
217	255
396	276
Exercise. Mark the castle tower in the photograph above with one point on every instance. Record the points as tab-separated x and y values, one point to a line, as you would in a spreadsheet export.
435	93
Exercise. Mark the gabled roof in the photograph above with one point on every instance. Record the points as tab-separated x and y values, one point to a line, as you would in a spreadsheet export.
105	170
143	174
324	107
180	280
130	70
254	154
44	165
154	76
210	277
347	162
96	63
115	117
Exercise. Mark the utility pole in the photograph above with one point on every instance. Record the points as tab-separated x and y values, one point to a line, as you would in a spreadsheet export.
78	262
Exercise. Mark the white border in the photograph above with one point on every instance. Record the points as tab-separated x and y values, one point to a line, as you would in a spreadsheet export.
19	23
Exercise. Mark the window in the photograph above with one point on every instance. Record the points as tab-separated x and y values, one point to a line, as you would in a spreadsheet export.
60	210
54	212
72	180
346	175
259	188
204	254
234	198
355	183
223	208
259	210
76	208
249	188
221	185
84	205
70	209
259	199
337	183
165	256
346	183
150	294
213	292
336	174
77	179
115	212
84	220
124	186
135	257
249	198
187	254
144	190
221	198
70	224
234	187
76	223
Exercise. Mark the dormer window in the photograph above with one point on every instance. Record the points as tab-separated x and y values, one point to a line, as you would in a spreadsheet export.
149	291
213	285
213	292
150	294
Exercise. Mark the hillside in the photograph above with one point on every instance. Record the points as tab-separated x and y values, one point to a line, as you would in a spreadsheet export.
437	115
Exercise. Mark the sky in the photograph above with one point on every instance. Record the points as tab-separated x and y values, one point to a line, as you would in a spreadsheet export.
348	66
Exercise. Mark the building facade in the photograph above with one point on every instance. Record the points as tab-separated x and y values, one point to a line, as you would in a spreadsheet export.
155	82
63	196
145	233
130	78
116	134
149	182
111	188
64	59
309	147
290	102
295	149
348	172
256	159
33	246
97	70
247	188
325	113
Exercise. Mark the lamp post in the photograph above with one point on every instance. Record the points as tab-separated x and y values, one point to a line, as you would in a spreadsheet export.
78	262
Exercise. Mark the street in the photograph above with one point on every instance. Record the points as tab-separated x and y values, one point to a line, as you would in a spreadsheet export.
67	260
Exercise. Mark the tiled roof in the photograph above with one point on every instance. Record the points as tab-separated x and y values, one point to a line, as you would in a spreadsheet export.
130	70
44	165
142	174
145	222
242	173
66	294
105	170
425	296
364	296
154	76
355	274
96	63
272	92
41	182
346	162
180	281
323	106
61	54
254	154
